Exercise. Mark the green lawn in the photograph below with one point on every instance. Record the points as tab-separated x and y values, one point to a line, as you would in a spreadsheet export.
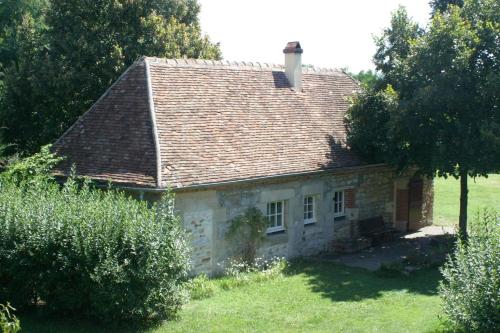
483	192
314	297
319	298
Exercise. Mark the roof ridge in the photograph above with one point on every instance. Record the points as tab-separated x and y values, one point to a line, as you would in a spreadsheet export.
152	115
242	65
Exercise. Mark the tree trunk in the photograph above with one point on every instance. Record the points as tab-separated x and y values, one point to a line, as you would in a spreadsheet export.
464	191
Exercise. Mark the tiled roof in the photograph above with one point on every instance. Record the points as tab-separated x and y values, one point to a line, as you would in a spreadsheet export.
210	122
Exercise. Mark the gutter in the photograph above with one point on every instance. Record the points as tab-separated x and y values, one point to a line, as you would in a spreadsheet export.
247	180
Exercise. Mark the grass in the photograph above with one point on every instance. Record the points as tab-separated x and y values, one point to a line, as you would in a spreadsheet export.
483	192
315	297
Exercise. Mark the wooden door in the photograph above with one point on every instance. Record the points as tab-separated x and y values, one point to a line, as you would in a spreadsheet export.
402	212
415	204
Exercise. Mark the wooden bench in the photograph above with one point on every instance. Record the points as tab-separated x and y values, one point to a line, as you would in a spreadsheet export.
375	229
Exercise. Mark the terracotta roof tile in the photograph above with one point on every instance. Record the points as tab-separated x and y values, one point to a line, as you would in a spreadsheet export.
216	121
114	140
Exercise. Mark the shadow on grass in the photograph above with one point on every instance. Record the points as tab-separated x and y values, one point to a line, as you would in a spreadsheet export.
340	283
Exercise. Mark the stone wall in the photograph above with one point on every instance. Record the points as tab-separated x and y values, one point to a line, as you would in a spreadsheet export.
206	214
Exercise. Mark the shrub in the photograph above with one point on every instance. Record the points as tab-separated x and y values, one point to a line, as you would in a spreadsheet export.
239	273
471	286
8	321
201	287
89	252
247	230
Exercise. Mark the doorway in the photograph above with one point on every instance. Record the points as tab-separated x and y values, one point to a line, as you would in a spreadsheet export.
408	215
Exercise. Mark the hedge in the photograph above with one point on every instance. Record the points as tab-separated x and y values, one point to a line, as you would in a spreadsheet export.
88	252
471	286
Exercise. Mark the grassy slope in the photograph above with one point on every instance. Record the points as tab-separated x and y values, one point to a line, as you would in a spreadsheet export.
319	298
483	192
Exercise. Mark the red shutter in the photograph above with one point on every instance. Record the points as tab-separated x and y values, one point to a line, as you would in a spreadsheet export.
350	198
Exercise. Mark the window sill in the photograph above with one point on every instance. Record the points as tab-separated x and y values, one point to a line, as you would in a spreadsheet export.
275	231
339	218
309	222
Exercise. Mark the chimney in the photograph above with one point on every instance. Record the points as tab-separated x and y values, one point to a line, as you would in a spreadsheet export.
293	65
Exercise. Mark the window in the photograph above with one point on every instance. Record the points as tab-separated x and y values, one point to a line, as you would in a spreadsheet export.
275	216
309	216
338	203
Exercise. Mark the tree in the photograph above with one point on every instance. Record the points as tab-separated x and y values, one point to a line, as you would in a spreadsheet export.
370	79
442	5
79	50
394	47
447	119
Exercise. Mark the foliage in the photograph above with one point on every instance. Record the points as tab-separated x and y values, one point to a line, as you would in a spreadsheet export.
369	79
471	286
58	57
394	47
442	5
247	230
126	261
200	287
237	274
37	166
8	321
240	273
447	119
368	123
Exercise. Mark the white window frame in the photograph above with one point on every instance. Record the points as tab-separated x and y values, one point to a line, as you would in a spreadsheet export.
275	228
313	209
341	212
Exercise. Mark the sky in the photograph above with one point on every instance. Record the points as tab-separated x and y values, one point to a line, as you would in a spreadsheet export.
332	33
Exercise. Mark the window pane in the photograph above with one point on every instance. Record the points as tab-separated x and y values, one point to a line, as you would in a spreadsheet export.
279	208
341	196
310	215
279	220
273	208
305	215
272	220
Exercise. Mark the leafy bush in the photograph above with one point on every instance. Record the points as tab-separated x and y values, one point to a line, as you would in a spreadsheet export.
471	286
8	321
33	167
94	253
201	287
247	230
239	273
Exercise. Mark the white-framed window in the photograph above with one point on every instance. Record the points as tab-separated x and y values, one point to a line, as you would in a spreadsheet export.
338	203
276	216
309	209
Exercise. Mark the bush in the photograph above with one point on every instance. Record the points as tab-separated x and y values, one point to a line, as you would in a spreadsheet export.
8	321
471	286
239	273
247	231
89	252
201	287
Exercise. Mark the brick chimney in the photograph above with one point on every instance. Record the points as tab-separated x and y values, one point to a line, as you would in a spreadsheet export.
293	65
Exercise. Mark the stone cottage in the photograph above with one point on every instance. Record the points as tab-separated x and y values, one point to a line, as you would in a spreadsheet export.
226	136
